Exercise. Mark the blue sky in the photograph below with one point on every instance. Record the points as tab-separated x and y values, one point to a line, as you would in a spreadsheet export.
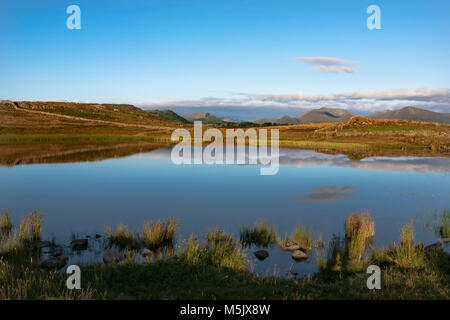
241	54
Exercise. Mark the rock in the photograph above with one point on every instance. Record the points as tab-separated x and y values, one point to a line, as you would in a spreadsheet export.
54	263
139	259
299	255
42	244
433	246
145	252
79	244
110	255
291	247
97	236
261	254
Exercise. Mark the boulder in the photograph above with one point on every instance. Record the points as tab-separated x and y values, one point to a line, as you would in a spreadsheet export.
54	263
299	255
261	254
291	247
145	252
111	255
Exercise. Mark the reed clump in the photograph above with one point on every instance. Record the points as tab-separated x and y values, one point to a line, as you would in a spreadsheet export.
154	235
406	254
219	249
300	236
359	230
440	223
5	223
261	234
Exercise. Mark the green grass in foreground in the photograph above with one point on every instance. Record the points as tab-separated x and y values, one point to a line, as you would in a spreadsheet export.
216	268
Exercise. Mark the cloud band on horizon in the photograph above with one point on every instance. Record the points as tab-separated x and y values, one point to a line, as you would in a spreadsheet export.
365	101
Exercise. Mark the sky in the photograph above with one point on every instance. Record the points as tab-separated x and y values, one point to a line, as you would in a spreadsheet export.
238	58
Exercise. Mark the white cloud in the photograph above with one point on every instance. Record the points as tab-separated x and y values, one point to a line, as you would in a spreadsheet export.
329	64
365	101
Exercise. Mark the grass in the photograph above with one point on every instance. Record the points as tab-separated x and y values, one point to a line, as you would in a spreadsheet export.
440	223
359	230
219	249
261	234
5	223
154	235
28	232
300	236
345	254
216	268
405	255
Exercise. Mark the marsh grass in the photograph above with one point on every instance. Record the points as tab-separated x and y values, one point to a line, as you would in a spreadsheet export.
345	254
261	234
440	223
154	235
219	249
300	236
5	223
359	231
332	258
216	268
160	233
28	232
405	255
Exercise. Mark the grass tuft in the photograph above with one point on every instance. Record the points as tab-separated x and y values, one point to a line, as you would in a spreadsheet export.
5	223
261	234
406	255
219	249
300	236
359	230
154	235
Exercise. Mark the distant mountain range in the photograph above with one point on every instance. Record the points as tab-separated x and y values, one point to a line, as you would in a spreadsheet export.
411	113
312	116
321	115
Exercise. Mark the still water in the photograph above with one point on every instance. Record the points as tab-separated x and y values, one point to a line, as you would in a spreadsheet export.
312	189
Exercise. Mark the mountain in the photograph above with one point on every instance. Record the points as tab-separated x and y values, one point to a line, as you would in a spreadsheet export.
205	117
168	115
412	113
325	115
313	116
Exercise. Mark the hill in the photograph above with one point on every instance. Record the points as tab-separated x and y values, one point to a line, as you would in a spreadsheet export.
168	115
322	115
205	117
412	113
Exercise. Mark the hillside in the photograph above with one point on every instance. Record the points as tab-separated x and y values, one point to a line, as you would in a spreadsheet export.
322	115
123	113
412	113
168	115
205	117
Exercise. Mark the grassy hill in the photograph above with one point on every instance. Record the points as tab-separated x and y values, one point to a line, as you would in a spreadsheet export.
205	117
412	113
322	115
168	115
123	113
